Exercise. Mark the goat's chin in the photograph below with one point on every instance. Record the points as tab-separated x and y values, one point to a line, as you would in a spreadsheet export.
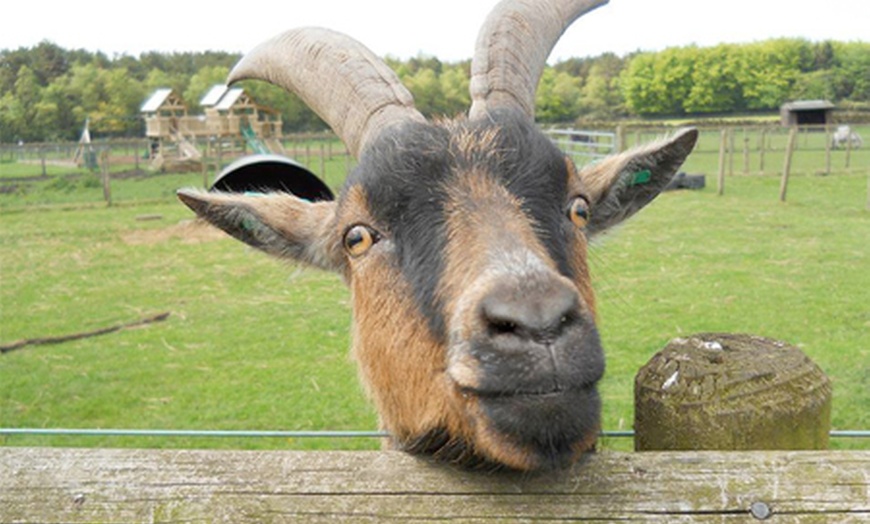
516	431
538	431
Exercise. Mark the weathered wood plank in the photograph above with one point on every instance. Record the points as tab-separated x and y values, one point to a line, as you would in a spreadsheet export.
110	485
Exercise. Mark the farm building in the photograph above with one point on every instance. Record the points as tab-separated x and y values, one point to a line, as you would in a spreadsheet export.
806	112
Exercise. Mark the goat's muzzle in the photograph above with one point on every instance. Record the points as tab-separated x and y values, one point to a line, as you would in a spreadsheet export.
527	367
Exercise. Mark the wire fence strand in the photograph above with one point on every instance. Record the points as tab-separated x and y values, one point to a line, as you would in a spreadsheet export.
196	433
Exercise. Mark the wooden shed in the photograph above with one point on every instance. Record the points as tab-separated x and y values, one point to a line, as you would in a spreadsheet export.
806	112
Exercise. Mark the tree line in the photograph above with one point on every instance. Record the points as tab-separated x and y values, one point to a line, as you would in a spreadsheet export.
48	92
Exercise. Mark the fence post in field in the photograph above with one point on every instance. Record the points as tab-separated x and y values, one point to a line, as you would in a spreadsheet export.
745	153
205	158
104	170
786	167
620	138
41	150
761	148
848	153
322	161
723	141
730	152
827	149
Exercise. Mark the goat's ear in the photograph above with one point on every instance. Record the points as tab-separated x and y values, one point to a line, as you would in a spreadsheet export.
622	184
278	223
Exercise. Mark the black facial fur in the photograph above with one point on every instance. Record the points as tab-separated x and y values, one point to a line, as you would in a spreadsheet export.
405	173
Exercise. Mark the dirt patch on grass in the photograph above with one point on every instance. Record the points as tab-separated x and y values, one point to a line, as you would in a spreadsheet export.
188	231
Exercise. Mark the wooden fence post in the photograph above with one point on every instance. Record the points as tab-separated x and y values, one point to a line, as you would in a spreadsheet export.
786	167
322	161
205	158
723	141
762	148
827	149
848	153
745	153
41	150
104	170
136	154
723	391
730	152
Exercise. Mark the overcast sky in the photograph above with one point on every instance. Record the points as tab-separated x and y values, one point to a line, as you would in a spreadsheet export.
445	29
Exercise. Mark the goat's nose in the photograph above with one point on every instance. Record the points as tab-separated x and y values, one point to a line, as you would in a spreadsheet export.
538	312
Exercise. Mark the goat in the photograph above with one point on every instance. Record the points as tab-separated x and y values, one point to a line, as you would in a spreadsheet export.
463	241
845	137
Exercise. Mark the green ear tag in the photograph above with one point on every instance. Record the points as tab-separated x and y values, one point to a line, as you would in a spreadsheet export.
641	177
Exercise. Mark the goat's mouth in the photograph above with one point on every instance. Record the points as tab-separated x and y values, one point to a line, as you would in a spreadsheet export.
483	394
546	428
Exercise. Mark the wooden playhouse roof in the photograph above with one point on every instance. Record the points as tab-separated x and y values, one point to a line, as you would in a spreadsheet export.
162	98
233	97
214	95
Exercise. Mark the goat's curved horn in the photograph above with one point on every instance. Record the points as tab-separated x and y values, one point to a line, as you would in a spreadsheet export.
340	79
512	49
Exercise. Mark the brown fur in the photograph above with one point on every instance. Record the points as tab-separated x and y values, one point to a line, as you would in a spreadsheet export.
400	363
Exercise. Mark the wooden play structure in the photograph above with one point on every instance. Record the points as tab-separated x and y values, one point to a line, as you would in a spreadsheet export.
229	113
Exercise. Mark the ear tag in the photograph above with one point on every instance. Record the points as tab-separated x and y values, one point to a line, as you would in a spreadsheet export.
641	177
248	224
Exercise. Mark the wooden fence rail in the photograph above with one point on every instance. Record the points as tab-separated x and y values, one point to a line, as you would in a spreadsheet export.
131	485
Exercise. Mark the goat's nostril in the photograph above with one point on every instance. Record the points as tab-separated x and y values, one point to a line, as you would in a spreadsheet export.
501	327
541	313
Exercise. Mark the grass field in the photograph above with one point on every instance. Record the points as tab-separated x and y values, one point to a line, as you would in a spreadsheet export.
253	344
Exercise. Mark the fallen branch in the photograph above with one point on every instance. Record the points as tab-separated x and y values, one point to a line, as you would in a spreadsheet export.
18	344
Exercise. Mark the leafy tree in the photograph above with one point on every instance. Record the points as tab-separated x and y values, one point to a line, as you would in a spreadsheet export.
11	118
637	83
454	85
769	71
202	81
424	86
816	85
558	97
853	72
27	94
715	85
601	97
119	112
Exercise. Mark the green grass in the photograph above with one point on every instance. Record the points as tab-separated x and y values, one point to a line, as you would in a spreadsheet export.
254	344
246	346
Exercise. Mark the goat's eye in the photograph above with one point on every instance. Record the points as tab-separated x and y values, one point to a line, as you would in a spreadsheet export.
578	212
359	239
